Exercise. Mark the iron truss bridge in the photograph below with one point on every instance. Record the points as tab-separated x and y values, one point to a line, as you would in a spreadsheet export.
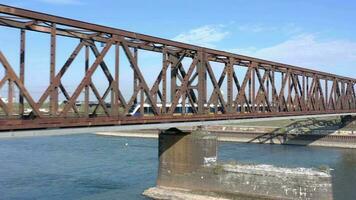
186	88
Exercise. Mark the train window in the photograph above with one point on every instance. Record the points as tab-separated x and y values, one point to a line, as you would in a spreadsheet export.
150	110
178	110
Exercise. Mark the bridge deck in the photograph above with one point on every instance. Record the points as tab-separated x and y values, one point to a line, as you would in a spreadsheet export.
161	126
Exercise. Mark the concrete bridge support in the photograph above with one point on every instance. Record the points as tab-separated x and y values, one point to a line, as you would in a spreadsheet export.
188	169
182	153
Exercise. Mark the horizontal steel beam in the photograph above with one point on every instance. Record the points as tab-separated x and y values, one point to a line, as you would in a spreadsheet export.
61	122
133	35
162	126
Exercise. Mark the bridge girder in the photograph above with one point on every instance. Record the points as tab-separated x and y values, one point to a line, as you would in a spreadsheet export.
254	87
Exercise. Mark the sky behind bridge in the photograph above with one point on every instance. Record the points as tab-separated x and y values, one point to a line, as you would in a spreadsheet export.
318	34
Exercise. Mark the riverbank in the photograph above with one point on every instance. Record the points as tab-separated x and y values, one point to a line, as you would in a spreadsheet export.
326	132
30	133
340	141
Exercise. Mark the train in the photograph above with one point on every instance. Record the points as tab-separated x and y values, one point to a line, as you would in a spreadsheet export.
135	110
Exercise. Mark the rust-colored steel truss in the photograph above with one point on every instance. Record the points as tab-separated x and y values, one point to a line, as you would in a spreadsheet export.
265	88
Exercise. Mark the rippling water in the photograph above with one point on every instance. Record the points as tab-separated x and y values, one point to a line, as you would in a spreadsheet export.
96	167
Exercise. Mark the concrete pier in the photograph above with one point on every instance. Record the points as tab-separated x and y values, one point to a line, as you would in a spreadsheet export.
182	153
188	169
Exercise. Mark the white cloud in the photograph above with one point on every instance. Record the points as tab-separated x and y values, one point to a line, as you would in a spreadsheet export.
255	28
204	36
63	2
306	50
289	28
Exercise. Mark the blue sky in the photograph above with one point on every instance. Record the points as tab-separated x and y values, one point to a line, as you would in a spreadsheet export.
317	34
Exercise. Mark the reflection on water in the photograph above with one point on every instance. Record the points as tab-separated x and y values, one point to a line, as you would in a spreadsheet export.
95	167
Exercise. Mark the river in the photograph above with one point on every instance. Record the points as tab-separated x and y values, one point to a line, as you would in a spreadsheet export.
87	166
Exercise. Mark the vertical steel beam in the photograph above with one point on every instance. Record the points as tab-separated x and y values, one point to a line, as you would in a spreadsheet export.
139	86
53	105
86	89
230	95
174	70
115	87
184	98
22	70
336	103
202	90
164	81
274	93
343	92
268	91
303	90
252	86
10	97
307	92
142	102
282	91
289	97
142	93
135	79
249	103
317	92
326	94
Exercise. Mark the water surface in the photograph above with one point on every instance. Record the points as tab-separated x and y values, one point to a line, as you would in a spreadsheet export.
87	166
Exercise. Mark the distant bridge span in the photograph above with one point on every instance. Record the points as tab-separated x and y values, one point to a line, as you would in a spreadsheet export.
247	87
